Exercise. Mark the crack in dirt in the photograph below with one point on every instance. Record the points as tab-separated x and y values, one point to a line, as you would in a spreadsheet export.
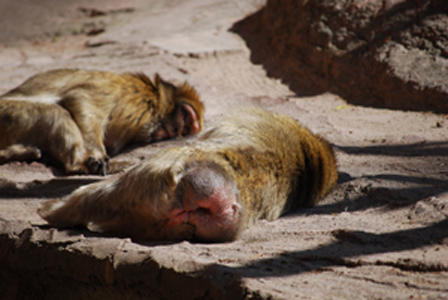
401	264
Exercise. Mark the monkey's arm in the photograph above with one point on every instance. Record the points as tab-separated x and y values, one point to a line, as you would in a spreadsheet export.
162	198
125	204
90	119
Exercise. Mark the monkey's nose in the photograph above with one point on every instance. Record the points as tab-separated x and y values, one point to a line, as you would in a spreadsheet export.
190	205
177	216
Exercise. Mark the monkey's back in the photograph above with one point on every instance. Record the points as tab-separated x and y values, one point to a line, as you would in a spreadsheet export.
122	103
279	166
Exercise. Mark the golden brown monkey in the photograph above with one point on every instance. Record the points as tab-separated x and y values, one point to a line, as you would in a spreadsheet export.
108	110
252	165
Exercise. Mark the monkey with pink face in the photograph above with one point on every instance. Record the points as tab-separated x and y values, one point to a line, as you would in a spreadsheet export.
252	165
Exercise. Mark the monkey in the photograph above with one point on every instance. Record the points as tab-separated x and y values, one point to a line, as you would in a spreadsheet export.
251	165
80	117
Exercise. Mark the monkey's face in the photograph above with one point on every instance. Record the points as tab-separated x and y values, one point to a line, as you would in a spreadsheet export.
182	122
208	202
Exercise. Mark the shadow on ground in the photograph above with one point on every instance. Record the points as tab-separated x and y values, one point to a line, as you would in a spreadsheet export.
347	250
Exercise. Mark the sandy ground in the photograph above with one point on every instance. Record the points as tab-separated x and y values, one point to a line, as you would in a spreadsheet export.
381	234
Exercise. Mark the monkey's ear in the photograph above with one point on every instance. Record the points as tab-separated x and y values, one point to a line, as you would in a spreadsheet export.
165	90
188	95
157	79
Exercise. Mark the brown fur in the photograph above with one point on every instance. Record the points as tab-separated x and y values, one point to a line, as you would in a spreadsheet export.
110	110
252	165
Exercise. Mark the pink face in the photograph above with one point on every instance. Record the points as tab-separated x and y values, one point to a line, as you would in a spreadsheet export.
209	203
184	122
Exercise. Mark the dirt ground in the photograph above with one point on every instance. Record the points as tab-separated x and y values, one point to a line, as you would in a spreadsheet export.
381	234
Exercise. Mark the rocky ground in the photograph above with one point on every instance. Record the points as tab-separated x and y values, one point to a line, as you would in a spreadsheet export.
381	234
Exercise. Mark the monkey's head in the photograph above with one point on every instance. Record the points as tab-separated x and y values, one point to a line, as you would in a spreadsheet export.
208	202
183	110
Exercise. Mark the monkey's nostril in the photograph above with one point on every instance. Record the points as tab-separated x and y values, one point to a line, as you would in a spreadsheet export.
204	211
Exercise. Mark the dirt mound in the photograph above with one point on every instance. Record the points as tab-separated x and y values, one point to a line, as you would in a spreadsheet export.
388	54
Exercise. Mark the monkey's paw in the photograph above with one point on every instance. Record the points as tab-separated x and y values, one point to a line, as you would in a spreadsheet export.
20	153
97	166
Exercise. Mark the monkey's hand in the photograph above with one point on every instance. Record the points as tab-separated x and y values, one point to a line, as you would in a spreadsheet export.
115	166
97	166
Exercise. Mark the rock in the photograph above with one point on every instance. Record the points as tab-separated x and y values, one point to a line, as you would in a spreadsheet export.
389	54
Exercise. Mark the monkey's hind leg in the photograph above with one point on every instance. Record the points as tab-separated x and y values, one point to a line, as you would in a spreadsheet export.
27	128
19	152
88	118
